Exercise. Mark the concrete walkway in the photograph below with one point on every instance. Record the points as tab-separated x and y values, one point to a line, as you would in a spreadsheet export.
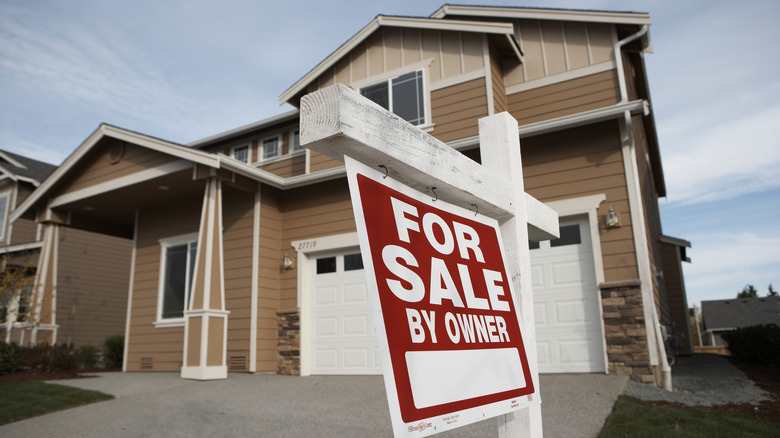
163	405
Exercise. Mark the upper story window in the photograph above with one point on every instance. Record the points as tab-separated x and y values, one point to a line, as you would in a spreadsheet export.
403	95
241	153
270	148
295	142
177	266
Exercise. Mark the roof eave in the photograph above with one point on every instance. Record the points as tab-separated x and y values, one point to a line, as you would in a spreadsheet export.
635	18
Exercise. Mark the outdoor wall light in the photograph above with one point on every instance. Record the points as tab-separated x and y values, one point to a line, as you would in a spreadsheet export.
613	220
286	263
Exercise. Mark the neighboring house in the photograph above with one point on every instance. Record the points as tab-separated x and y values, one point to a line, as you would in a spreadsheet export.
725	315
92	270
245	255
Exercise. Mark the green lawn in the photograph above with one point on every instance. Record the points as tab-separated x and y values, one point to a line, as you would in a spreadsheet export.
635	418
20	400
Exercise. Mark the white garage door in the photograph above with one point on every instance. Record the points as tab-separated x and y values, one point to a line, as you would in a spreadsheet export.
568	324
343	339
566	299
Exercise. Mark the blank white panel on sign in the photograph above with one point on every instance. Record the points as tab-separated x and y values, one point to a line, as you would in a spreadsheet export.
435	381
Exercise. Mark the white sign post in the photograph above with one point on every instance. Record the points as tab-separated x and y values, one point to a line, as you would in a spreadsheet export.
449	270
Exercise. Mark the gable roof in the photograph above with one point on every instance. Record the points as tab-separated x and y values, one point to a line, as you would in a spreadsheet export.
488	27
19	167
740	312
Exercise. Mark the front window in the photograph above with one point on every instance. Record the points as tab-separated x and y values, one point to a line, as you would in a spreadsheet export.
270	148
403	95
241	153
178	266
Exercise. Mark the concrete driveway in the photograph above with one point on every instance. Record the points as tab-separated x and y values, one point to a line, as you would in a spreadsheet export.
163	405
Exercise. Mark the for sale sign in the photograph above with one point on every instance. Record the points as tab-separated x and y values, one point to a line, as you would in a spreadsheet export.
449	333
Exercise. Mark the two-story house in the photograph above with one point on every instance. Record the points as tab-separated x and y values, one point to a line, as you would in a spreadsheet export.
244	250
92	270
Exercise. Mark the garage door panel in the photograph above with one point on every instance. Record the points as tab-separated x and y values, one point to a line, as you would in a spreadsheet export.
343	339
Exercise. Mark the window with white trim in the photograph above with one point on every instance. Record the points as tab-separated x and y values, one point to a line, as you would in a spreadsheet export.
403	95
177	265
4	204
241	153
295	142
270	148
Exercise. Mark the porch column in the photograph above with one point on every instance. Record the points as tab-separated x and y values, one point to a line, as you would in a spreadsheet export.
43	299
205	320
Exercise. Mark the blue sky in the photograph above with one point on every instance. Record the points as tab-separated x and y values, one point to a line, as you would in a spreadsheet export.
184	70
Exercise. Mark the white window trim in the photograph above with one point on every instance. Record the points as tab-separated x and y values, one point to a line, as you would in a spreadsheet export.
261	158
248	151
427	125
6	214
164	244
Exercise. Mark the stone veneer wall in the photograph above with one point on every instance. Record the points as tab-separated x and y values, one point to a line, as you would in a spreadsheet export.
289	342
626	331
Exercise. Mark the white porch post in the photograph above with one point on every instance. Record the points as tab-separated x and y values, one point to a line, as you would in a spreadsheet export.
205	320
43	300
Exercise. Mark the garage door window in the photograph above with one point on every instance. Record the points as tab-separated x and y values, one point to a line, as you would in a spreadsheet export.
326	265
345	263
353	262
570	235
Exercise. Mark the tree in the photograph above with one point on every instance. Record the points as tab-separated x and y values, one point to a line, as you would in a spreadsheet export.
748	292
772	292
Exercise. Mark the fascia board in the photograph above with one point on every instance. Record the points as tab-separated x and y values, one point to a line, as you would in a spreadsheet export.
674	241
389	21
636	18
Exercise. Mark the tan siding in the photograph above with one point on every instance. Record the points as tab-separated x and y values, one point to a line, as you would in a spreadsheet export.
358	63
577	44
392	40
472	51
96	168
308	213
163	345
500	103
456	110
565	98
318	161
375	55
554	51
431	45
286	168
601	42
412	46
531	42
269	272
451	53
93	276
23	231
581	162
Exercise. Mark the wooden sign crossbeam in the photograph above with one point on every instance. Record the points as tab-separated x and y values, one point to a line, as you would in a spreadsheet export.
337	121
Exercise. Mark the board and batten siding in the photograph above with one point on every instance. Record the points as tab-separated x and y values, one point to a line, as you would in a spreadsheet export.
100	166
555	47
93	274
580	162
391	50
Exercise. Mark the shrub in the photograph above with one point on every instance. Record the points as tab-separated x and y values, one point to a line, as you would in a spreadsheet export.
87	356
114	351
755	344
11	358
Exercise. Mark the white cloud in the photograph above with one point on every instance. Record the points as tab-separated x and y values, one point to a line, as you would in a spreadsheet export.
707	161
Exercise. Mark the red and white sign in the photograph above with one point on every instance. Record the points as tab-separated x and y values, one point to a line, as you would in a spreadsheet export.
449	332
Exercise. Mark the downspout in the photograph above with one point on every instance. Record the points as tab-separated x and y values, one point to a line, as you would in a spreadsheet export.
637	213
